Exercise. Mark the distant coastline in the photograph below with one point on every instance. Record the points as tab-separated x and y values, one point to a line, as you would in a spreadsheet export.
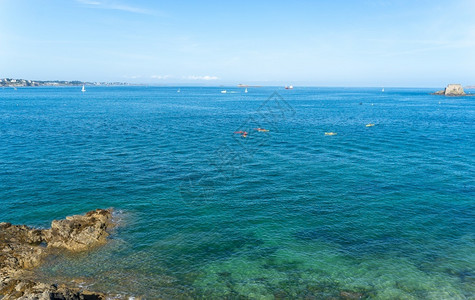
10	82
246	85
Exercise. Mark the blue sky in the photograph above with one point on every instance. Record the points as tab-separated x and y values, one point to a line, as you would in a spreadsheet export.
319	43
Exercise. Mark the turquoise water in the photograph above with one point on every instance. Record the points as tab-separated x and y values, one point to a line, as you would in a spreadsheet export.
382	212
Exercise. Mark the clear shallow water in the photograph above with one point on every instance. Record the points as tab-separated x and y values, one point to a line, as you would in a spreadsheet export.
382	212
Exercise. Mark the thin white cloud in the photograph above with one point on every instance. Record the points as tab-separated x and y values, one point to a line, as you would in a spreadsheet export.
132	76
87	2
161	77
131	9
112	5
205	77
172	77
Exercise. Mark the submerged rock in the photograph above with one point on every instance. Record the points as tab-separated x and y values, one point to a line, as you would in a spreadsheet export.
350	295
23	248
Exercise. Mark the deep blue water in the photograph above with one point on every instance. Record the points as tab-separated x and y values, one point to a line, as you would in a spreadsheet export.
382	212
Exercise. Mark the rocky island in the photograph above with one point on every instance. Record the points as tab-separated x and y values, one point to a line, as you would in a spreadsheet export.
452	90
22	248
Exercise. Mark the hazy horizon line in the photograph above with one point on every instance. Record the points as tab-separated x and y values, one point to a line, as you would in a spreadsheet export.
126	84
254	84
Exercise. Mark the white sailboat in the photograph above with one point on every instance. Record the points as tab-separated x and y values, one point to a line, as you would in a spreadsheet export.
83	89
245	91
178	91
382	90
224	92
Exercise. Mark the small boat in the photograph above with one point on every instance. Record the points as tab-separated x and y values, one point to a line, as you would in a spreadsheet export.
178	91
290	87
83	89
382	90
330	133
223	92
370	125
245	91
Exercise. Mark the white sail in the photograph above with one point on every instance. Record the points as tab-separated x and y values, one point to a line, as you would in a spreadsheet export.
83	89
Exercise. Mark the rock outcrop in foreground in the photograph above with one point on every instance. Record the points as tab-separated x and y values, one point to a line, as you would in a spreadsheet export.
452	90
23	248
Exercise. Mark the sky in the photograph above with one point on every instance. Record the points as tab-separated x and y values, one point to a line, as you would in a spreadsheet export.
406	43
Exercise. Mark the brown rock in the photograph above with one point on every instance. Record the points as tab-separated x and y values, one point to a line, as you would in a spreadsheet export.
78	233
27	289
452	90
23	248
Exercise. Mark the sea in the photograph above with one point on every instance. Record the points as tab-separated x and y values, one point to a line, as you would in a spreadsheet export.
209	207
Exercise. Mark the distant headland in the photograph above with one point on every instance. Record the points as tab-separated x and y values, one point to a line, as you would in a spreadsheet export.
246	85
9	82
